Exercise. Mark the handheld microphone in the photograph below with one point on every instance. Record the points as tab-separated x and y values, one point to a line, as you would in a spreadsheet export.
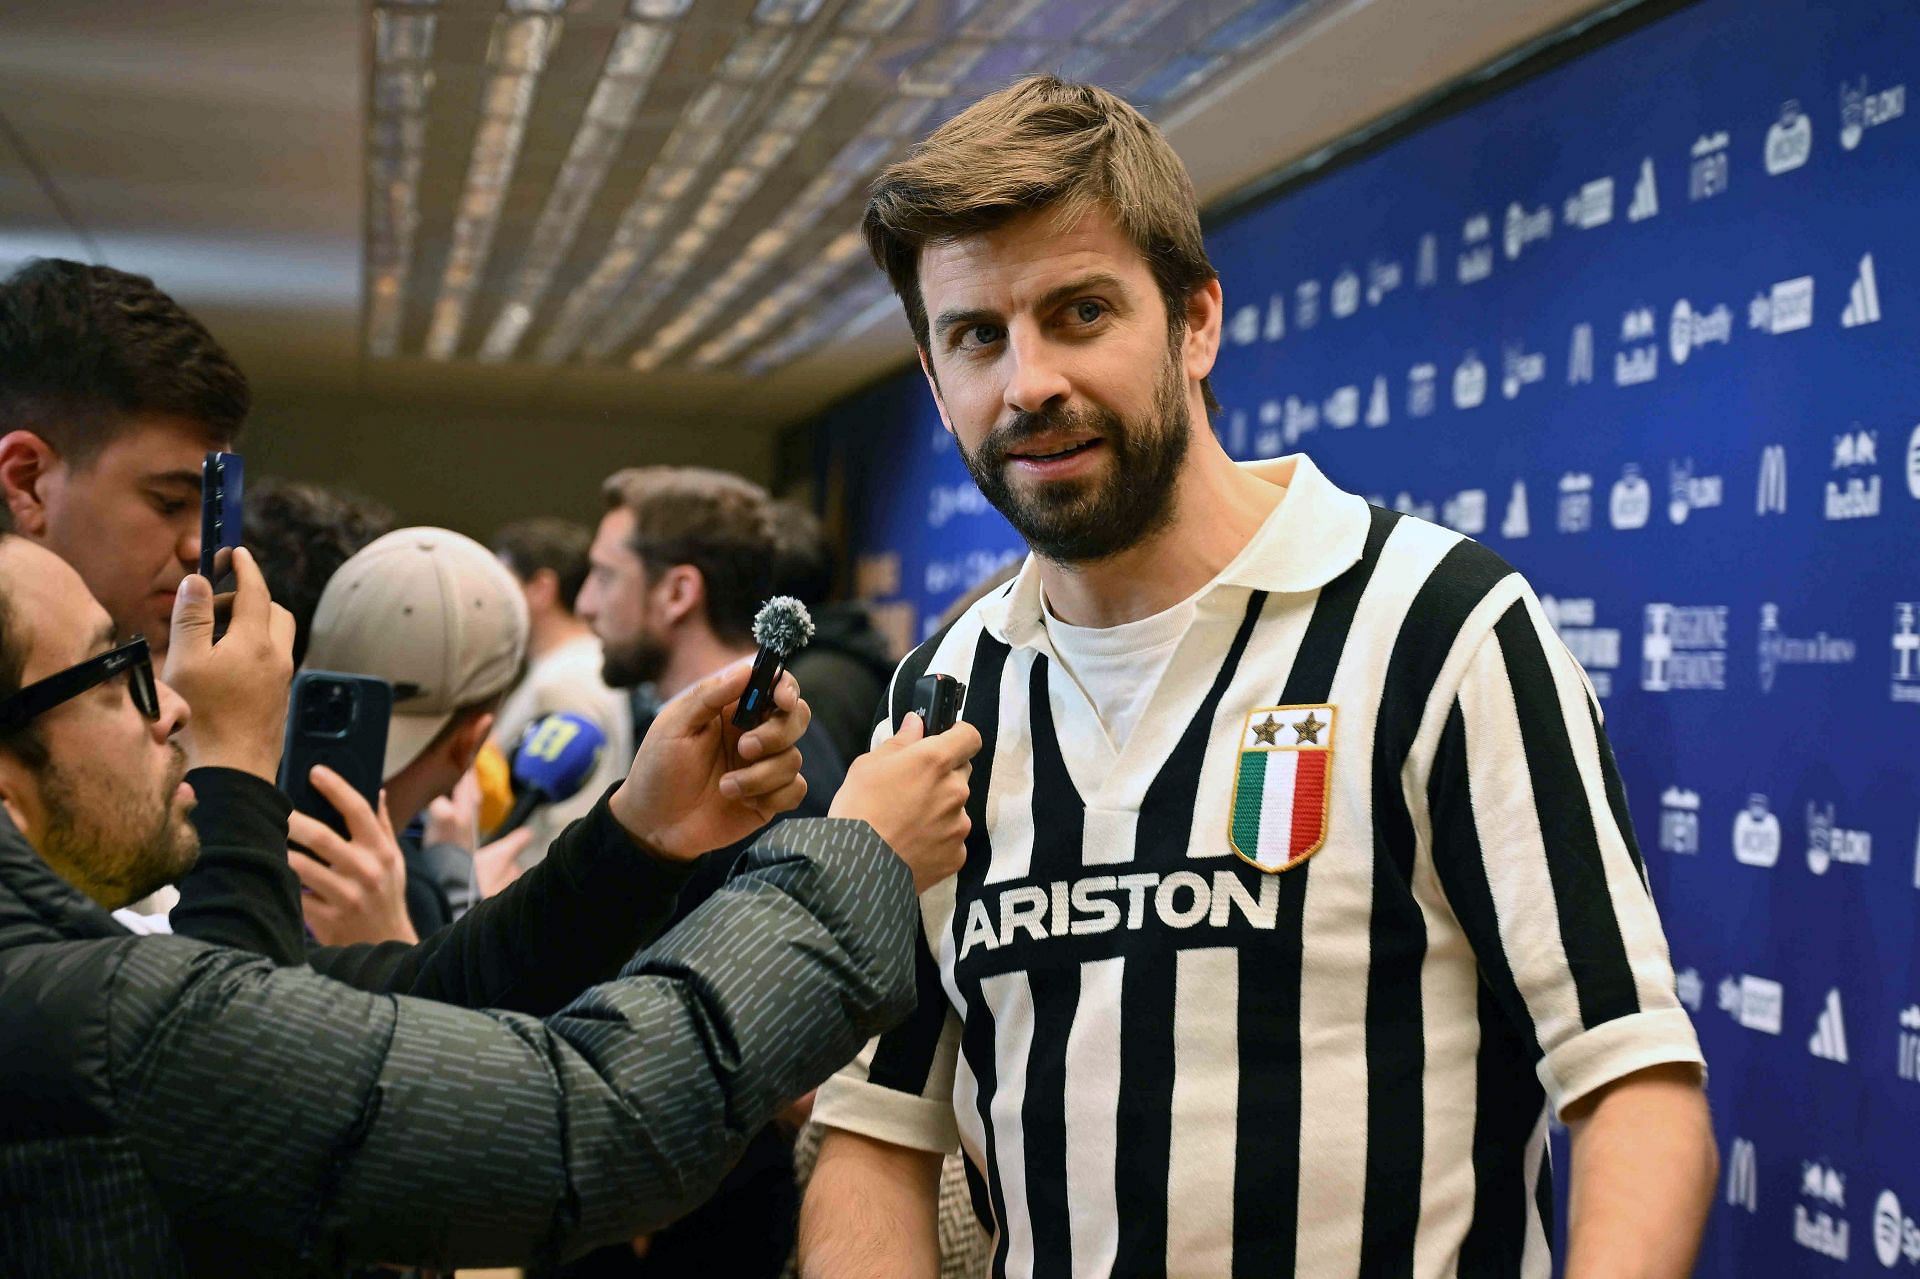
781	628
556	756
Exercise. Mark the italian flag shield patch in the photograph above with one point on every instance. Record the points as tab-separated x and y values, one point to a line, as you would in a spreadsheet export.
1280	786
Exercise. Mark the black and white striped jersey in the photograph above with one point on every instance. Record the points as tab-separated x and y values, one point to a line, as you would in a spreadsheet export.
1287	982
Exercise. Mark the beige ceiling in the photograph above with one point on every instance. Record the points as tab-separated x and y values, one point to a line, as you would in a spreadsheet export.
220	146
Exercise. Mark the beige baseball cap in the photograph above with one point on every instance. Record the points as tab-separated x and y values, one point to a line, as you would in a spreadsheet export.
433	613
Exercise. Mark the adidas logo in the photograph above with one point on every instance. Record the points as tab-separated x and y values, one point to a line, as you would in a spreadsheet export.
1829	1042
1863	304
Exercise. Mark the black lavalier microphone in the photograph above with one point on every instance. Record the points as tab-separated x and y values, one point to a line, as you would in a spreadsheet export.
781	628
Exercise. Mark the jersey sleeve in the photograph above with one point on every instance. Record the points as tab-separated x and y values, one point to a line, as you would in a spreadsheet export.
900	1088
1534	849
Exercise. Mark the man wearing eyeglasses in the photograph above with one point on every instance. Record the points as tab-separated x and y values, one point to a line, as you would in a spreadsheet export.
176	1108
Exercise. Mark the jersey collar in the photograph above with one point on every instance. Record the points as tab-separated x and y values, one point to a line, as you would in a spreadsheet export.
1316	533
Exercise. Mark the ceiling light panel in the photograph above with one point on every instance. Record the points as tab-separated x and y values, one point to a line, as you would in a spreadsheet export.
396	148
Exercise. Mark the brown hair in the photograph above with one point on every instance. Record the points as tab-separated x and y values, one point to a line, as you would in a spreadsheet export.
1041	143
716	522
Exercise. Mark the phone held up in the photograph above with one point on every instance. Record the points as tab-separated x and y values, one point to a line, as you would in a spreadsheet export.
937	700
340	721
222	488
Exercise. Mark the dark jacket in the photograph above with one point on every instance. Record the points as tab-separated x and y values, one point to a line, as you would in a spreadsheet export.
843	673
176	1108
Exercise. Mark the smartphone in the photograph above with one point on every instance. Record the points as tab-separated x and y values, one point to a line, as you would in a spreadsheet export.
340	721
937	700
222	487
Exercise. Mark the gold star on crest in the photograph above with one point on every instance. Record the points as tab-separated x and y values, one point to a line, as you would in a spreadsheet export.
1309	731
1267	733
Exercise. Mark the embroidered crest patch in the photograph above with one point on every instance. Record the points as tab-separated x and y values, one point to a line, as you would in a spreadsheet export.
1280	786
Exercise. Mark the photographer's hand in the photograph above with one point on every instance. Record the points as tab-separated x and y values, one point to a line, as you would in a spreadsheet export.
236	687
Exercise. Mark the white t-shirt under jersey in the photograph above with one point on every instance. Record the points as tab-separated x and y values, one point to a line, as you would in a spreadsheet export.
1118	667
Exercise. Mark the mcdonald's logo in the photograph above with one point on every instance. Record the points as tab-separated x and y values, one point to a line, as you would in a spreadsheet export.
1743	1176
1771	498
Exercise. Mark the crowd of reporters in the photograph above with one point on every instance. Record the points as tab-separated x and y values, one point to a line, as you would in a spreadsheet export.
387	1031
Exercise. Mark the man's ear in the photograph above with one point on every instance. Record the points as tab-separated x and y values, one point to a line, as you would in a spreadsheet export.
1206	309
25	462
464	742
683	593
18	795
933	384
543	589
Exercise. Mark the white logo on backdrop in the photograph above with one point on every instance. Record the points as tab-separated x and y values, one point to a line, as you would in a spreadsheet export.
1828	844
1595	647
1771	497
1646	194
1895	1235
1268	442
1631	501
1909	1044
1382	279
1517	524
1521	369
1377	408
1236	433
1691	991
1427	270
1523	228
1778	649
1861	110
1708	176
1638	360
1756	834
1753	1002
1476	249
1906	652
1306	304
1346	294
1684	648
1342	408
1276	317
1690	330
1580	356
1822	1228
1786	308
1244	328
1679	820
1854	492
1863	300
1789	141
1913	463
1743	1175
1421	382
1466	512
1301	416
1576	502
1591	206
1829	1039
1687	492
1406	505
1469	383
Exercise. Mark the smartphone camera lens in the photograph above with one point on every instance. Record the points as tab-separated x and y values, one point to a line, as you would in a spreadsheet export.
328	710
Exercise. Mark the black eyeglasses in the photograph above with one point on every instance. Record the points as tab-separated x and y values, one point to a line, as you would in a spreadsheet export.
42	696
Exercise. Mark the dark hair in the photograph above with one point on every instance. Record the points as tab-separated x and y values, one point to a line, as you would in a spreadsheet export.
84	350
559	546
715	522
802	560
1041	143
301	534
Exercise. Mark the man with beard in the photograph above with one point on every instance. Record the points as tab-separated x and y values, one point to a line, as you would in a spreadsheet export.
682	561
1301	891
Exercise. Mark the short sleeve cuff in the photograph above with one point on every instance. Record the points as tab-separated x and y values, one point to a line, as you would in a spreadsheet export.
1616	1049
886	1114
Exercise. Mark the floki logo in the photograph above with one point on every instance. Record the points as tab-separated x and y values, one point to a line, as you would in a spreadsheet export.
1687	492
1863	300
1822	1228
1829	1041
1756	834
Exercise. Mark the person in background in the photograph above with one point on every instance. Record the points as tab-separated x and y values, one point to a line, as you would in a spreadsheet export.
548	557
300	534
187	1109
679	566
846	666
110	397
434	614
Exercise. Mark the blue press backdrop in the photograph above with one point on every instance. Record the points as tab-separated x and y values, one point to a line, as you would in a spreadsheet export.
1647	323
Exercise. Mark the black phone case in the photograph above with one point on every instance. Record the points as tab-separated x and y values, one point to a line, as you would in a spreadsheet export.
937	699
358	754
222	491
